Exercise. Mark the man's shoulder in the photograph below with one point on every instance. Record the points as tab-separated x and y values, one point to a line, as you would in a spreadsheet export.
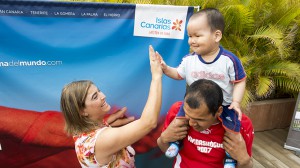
247	131
172	114
246	122
177	104
175	108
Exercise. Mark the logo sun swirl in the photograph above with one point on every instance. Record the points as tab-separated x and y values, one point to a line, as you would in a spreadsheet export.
177	25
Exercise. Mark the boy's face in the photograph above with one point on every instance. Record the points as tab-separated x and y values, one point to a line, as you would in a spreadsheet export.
200	119
202	39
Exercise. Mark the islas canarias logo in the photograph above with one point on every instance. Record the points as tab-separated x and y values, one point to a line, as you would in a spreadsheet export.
160	21
177	25
162	24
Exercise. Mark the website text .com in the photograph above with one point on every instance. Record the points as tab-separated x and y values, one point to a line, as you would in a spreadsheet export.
30	63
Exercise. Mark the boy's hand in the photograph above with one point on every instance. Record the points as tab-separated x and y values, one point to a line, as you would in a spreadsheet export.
163	64
167	70
236	107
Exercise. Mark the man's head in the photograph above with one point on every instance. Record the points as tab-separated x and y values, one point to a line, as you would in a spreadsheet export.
205	29
203	104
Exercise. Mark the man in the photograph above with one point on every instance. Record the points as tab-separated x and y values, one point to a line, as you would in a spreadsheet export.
203	136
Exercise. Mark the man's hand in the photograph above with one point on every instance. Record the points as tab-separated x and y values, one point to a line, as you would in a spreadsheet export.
177	130
118	118
235	145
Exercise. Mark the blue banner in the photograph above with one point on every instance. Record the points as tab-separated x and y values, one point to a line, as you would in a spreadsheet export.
45	45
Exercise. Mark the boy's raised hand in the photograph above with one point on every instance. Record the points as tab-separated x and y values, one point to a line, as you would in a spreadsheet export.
163	64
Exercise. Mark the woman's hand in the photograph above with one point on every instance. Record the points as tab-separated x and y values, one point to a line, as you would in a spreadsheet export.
155	63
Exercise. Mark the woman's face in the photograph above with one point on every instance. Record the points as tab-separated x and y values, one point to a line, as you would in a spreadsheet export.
95	104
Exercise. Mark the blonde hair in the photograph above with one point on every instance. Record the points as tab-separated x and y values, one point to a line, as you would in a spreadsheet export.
72	103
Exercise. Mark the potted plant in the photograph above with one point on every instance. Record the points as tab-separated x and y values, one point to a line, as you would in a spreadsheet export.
265	36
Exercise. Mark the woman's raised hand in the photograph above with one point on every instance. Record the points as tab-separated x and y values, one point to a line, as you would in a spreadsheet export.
154	63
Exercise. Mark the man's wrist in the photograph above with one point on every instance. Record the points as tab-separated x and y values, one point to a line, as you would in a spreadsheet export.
244	161
162	139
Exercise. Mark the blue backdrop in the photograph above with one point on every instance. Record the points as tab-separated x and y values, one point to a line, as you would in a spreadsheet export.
40	53
44	45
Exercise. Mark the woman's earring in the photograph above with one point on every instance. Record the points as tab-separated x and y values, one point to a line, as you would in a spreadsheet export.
85	114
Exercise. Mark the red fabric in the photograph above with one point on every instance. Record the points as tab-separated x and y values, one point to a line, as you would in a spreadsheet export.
33	139
17	154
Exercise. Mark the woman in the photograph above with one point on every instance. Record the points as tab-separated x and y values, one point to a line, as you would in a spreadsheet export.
97	144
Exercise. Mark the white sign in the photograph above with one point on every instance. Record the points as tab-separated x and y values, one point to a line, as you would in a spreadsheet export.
160	21
297	116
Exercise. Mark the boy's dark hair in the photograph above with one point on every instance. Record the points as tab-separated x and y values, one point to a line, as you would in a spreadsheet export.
214	17
204	91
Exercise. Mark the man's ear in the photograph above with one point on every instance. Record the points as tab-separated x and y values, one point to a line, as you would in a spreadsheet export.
219	112
218	36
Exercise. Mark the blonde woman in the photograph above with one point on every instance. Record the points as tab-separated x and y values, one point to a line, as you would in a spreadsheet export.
96	143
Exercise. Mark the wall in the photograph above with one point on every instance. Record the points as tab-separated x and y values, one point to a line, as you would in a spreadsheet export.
271	114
